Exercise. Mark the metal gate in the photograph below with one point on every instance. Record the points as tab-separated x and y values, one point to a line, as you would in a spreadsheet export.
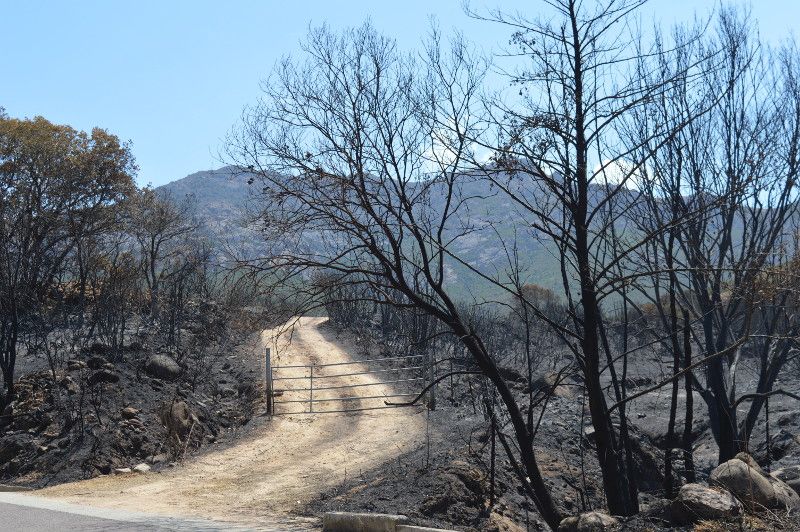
336	388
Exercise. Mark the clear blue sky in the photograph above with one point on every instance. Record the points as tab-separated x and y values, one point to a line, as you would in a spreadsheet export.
172	76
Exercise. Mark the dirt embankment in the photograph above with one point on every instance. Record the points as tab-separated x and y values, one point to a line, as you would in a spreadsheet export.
278	465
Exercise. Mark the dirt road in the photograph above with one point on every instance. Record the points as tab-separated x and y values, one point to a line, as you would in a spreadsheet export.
282	464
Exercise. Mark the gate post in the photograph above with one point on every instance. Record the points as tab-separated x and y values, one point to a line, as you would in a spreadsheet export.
268	383
311	388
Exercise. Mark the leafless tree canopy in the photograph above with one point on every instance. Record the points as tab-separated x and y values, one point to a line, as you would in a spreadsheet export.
659	170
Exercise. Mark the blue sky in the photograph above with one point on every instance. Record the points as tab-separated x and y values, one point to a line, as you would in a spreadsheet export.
173	76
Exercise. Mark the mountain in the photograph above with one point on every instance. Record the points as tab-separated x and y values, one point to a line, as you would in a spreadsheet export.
222	196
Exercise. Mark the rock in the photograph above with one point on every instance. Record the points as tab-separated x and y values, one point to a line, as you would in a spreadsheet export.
551	383
790	475
470	476
227	392
141	468
69	384
745	483
786	498
459	489
96	362
749	460
102	376
569	524
129	412
76	365
177	418
122	470
246	389
783	443
790	418
10	447
631	383
696	503
510	374
588	522
98	349
162	367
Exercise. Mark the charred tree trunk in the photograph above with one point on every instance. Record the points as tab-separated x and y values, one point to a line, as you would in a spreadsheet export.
543	500
688	440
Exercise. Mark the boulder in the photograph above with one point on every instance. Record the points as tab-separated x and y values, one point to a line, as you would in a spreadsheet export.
122	470
69	384
129	412
177	418
749	460
11	446
96	362
102	376
227	392
786	498
76	365
752	488
790	475
162	367
551	383
696	503
783	443
141	468
98	349
158	458
511	374
790	419
588	522
569	524
631	383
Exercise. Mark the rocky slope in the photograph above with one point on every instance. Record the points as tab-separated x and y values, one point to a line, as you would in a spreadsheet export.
147	407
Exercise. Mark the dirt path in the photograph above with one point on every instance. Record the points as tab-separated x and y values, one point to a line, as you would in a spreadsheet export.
283	464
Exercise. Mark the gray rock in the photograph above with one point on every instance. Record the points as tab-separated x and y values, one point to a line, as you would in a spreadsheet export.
76	365
141	468
588	522
790	475
158	458
102	376
163	367
749	460
752	488
69	384
96	362
696	502
122	470
789	418
11	446
177	418
129	412
786	498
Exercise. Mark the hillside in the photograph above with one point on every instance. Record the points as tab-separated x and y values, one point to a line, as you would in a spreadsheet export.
221	198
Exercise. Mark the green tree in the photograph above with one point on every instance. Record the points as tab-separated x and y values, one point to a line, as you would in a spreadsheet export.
58	187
